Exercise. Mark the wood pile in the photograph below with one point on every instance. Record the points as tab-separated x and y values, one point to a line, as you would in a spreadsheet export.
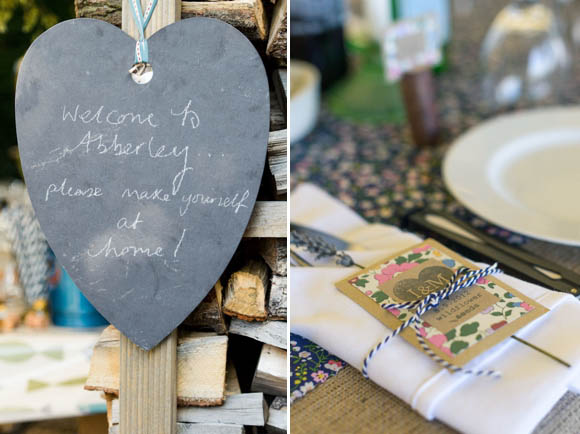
231	350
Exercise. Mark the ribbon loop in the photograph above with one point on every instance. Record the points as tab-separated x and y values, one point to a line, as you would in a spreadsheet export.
462	278
141	22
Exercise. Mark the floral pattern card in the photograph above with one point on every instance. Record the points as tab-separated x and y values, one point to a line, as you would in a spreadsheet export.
471	321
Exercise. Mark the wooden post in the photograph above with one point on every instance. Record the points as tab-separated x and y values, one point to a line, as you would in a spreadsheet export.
148	379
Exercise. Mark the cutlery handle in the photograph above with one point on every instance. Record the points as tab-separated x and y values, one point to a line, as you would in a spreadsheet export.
482	251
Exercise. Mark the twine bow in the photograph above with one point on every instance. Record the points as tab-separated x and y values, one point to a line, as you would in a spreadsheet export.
462	278
141	21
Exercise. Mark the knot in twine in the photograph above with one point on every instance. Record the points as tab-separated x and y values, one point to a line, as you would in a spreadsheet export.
462	278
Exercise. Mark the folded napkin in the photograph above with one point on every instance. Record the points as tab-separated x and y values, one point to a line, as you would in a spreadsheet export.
531	382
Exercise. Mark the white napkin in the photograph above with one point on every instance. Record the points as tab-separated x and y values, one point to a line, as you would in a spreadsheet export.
531	382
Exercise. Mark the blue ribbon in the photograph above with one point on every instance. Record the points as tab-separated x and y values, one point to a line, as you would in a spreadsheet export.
141	21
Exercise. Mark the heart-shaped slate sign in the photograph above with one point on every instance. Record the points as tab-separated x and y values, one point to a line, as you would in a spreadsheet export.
143	190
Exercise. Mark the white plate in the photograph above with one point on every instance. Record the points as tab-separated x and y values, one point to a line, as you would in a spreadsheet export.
522	172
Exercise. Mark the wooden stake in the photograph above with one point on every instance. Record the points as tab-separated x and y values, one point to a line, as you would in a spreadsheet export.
148	380
148	387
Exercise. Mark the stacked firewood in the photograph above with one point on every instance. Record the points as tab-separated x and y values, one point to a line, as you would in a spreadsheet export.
231	352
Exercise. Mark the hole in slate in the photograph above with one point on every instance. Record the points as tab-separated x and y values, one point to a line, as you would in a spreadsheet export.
141	73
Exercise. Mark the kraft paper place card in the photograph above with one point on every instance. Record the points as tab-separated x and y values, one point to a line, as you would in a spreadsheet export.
471	321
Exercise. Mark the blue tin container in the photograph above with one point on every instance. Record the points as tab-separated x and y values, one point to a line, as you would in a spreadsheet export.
69	307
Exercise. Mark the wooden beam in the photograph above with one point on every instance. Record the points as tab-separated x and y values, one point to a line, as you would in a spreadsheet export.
242	409
148	387
198	428
278	28
268	332
245	296
248	16
201	363
271	374
268	220
148	379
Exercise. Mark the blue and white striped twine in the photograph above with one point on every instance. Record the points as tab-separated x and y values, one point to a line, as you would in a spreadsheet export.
462	278
141	21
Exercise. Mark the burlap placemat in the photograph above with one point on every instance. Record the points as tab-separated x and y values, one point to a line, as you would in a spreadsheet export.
348	403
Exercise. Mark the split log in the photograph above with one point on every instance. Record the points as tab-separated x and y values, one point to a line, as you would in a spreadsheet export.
278	29
268	220
248	16
271	374
232	382
275	252
201	367
280	79
208	315
277	416
278	298
277	116
242	409
278	159
198	428
269	332
245	296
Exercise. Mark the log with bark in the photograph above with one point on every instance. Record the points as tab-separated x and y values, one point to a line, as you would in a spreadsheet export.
248	16
278	32
208	315
277	298
275	252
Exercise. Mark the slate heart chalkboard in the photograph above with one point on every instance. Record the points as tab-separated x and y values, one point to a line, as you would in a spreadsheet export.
143	190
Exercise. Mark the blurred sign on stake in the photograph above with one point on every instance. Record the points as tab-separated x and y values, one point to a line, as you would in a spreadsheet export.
410	45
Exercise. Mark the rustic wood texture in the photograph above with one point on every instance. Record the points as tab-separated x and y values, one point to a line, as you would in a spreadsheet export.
208	315
245	296
271	373
269	332
278	32
278	160
242	409
248	16
268	220
201	367
106	10
278	298
275	252
277	416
